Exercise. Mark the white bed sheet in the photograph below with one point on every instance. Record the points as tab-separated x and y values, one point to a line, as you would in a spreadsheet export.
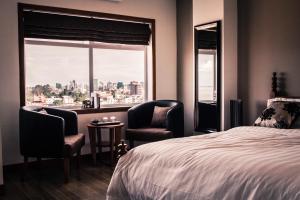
241	163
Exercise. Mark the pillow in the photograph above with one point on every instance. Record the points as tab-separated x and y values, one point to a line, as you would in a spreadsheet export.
43	111
278	115
159	117
296	122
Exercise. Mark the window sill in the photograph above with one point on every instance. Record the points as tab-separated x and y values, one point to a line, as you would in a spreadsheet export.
101	110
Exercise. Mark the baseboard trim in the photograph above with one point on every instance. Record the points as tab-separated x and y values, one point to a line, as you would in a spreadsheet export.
52	161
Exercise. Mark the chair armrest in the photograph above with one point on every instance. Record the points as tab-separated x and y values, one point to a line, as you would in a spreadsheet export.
41	134
70	117
140	115
175	120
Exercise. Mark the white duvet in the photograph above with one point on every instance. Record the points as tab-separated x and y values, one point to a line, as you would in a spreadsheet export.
241	163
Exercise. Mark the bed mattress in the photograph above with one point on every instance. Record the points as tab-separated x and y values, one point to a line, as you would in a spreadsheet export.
241	163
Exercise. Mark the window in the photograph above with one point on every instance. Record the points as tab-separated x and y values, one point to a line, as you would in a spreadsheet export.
64	73
206	75
56	75
68	56
119	75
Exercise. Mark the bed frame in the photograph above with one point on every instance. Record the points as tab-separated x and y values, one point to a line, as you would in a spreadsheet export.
274	91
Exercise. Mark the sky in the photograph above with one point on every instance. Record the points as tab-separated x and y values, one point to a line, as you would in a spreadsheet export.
53	64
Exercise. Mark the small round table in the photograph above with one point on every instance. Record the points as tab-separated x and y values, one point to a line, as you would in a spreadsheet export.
114	139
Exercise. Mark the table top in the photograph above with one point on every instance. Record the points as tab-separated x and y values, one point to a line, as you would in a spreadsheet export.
106	126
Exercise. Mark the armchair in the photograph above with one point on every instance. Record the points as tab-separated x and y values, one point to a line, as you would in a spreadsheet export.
49	133
140	117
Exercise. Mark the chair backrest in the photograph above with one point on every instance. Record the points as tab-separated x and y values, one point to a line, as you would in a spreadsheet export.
141	115
41	135
70	119
166	103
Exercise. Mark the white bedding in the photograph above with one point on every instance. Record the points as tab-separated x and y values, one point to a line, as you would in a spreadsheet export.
241	163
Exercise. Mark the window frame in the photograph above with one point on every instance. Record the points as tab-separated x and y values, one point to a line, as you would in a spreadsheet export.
91	47
22	7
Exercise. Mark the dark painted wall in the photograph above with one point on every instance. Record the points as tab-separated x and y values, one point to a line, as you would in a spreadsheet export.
268	40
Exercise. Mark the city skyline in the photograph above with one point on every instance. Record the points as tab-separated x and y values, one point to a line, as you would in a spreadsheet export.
73	94
85	84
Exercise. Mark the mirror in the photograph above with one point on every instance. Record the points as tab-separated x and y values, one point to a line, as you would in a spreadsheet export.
208	77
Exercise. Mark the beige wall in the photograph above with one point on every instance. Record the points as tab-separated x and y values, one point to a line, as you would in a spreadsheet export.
185	61
204	11
268	41
163	11
1	160
229	65
225	10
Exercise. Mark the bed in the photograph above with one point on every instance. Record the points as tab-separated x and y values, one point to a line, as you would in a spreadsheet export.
248	162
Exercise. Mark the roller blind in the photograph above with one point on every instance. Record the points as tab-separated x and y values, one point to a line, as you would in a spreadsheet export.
67	27
206	39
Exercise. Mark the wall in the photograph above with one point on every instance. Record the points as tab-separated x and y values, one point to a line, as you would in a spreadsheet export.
164	12
185	61
230	60
1	160
204	11
268	41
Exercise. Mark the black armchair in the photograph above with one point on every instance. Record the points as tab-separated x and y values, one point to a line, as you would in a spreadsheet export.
49	133
140	117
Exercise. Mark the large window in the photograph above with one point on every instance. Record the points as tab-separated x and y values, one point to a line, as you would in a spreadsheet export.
206	75
64	73
68	56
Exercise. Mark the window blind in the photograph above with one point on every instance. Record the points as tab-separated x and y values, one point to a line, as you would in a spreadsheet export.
206	39
69	27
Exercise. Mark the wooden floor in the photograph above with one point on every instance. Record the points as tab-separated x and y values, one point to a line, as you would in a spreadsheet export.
46	182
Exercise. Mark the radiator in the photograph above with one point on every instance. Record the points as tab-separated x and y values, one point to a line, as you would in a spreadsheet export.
236	113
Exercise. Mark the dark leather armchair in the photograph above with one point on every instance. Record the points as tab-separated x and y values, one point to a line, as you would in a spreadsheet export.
139	122
50	134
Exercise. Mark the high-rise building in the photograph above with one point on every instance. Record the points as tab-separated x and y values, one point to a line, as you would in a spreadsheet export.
120	85
109	85
58	86
101	86
133	87
95	84
72	85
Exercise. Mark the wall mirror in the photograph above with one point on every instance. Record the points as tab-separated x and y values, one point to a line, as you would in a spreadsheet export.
207	77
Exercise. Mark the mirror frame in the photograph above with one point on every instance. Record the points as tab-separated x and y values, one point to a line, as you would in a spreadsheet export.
219	73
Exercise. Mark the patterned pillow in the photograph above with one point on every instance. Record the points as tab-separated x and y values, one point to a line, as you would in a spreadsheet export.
278	115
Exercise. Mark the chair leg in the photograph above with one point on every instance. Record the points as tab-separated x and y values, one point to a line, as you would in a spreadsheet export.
78	155
25	165
131	143
112	144
66	169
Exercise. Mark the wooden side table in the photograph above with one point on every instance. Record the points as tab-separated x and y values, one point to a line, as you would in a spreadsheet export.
96	141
